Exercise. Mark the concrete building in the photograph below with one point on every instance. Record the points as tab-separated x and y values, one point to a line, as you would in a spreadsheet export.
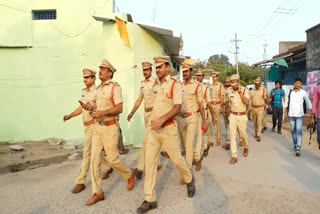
44	45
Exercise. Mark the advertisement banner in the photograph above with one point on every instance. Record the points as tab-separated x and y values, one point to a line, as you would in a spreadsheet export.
313	79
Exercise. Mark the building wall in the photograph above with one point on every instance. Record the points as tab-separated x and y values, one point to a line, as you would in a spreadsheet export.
313	49
294	70
40	84
284	46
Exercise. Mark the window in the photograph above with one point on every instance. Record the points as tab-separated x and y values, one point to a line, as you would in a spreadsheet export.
44	14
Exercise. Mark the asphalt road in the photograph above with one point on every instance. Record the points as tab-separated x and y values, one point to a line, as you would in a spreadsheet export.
270	180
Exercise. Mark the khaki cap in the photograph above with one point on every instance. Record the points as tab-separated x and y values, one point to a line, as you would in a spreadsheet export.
227	79
186	66
106	64
88	72
146	65
215	73
161	60
199	72
257	80
234	79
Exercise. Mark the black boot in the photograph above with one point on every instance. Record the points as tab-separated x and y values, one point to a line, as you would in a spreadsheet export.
191	188
146	206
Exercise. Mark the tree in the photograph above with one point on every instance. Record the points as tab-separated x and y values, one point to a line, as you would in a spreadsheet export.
220	63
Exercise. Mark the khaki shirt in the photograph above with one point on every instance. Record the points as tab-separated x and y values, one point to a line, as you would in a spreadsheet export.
167	94
216	90
258	96
105	99
235	101
206	95
146	93
191	95
88	96
227	91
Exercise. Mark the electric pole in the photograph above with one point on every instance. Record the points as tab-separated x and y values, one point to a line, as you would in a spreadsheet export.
236	53
265	45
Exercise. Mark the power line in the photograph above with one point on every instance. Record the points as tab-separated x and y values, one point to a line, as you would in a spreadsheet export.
14	8
75	35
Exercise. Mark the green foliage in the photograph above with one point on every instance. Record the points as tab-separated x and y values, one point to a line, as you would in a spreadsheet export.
220	63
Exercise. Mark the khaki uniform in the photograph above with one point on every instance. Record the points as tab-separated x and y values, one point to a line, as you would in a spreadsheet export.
106	134
216	90
206	100
225	111
167	94
257	101
238	119
147	95
88	95
188	120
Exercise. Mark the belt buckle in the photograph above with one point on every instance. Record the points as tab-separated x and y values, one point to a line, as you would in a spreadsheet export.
238	113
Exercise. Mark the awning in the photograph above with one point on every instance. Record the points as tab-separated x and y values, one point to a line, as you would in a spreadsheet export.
104	19
272	60
172	43
281	62
161	31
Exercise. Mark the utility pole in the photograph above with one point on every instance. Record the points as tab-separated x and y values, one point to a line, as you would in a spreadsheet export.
236	53
265	45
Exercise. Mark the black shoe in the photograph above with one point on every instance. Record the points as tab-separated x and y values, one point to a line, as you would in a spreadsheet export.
272	129
164	154
138	173
298	153
206	152
146	206
279	132
191	188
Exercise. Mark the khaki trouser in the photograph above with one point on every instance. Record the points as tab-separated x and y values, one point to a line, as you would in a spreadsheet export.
216	109
166	137
226	124
189	127
106	137
88	133
141	161
257	116
264	119
240	123
202	140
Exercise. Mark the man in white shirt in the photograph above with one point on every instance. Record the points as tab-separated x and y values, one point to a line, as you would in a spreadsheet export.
294	108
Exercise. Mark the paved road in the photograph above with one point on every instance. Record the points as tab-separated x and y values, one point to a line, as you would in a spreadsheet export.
270	180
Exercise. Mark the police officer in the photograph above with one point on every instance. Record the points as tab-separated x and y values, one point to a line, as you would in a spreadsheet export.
266	106
106	131
87	96
163	132
217	99
238	101
188	120
225	112
148	97
258	97
206	99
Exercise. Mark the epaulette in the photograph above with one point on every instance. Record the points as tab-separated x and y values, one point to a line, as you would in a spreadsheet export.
114	83
84	89
174	79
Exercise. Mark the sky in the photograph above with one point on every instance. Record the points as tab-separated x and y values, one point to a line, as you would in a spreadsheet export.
208	26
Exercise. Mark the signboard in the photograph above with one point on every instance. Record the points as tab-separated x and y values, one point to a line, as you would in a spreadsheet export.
313	79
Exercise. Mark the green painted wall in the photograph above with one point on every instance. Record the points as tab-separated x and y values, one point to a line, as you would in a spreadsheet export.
39	85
